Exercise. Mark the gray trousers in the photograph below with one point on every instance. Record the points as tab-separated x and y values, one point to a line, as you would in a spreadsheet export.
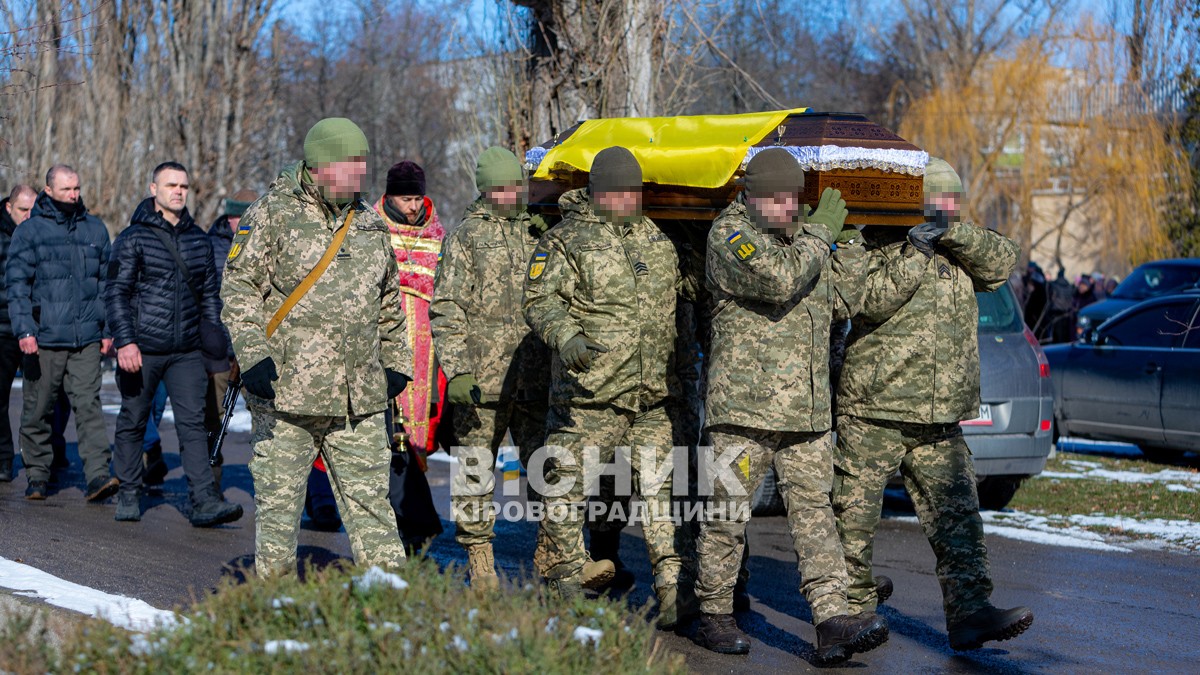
187	382
78	372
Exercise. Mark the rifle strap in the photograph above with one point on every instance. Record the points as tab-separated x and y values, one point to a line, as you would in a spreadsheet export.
294	297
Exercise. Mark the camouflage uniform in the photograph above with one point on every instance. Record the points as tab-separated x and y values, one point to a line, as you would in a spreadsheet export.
768	396
478	330
331	352
616	284
911	374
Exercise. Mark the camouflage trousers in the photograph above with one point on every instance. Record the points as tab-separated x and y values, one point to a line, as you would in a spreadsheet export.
479	431
357	456
940	476
804	465
560	549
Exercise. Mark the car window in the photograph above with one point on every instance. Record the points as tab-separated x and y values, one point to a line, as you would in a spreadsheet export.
1162	325
1152	280
998	312
1192	341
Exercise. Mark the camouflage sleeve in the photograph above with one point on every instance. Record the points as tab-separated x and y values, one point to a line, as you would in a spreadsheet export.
988	256
393	333
746	264
893	274
452	293
247	283
549	287
848	269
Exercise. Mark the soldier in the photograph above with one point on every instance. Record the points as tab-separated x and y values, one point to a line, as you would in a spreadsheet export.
497	368
601	292
911	374
312	246
778	282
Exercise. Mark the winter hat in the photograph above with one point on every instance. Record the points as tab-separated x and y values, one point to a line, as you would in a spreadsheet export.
405	178
941	177
239	202
773	170
615	169
334	139
497	167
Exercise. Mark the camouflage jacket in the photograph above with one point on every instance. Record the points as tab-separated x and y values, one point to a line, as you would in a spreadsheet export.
616	285
476	310
768	366
912	354
331	350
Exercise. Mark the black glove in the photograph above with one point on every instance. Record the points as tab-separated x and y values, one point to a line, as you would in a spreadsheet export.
396	382
257	380
577	352
925	236
31	367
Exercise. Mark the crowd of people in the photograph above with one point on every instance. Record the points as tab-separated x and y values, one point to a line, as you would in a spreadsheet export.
366	336
1051	306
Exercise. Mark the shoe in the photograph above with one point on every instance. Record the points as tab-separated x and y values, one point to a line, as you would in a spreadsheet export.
720	633
37	490
129	507
883	589
565	590
156	467
675	608
482	567
597	574
99	489
606	545
6	470
843	636
987	624
741	599
323	513
210	510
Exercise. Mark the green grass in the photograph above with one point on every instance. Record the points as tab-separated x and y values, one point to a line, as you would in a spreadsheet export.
1091	496
436	625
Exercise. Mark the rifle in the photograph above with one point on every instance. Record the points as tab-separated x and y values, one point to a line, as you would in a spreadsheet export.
216	439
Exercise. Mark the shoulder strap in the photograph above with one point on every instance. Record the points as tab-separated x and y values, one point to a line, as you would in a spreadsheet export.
315	274
187	276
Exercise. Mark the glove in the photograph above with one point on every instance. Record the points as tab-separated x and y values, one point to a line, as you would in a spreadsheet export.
31	367
257	380
830	212
923	237
539	222
847	235
464	390
396	382
577	352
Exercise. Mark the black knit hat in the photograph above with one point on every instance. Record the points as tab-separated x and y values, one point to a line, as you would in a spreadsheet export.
406	178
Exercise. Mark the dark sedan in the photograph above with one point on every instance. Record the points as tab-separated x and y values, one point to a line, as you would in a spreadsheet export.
1149	280
1134	379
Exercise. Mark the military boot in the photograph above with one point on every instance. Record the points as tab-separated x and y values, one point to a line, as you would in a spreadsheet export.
606	545
566	590
843	636
210	510
987	624
720	633
483	567
676	607
129	507
597	573
883	589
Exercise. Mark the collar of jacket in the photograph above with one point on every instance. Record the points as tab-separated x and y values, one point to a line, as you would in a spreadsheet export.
7	224
292	182
45	207
482	208
220	228
577	205
146	214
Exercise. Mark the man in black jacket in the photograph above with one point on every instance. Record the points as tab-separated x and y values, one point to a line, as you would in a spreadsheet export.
14	210
55	288
163	309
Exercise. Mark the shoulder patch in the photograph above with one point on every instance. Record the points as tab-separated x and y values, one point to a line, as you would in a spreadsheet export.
537	265
741	246
234	250
244	228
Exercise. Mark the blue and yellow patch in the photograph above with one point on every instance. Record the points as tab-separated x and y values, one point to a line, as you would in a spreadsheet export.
537	265
734	238
244	228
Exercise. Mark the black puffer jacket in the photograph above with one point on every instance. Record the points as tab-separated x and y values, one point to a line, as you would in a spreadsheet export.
7	227
148	300
55	264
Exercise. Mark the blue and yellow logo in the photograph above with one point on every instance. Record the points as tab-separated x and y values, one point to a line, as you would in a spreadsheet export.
537	265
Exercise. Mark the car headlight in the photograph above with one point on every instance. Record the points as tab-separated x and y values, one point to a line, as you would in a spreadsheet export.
1084	323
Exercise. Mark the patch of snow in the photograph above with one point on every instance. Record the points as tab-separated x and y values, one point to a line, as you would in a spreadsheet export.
552	624
584	635
460	644
1175	487
279	603
1183	532
377	577
273	647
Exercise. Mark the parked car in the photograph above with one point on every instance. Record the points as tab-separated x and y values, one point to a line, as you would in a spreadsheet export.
1149	280
1135	378
1012	437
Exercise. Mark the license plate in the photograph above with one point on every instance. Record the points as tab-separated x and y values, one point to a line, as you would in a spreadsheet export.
984	419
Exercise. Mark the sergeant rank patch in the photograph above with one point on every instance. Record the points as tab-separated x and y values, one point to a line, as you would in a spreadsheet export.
537	265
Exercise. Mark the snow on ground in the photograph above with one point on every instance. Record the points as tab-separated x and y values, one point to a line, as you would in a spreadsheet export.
1188	479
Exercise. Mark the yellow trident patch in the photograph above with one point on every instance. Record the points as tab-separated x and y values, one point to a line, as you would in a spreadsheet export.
234	251
537	265
745	251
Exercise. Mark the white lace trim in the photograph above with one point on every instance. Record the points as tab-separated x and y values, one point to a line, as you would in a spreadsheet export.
819	158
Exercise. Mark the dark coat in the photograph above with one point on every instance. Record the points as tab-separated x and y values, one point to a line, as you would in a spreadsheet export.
148	299
7	227
54	276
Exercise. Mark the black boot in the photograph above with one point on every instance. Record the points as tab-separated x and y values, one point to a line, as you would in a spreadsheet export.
320	504
210	510
606	545
129	507
720	633
6	470
987	624
156	467
843	636
883	589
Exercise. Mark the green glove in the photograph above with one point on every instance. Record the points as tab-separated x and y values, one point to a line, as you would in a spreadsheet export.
540	223
831	212
847	235
577	352
463	390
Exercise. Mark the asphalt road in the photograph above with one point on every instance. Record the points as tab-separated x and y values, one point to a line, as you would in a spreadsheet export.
1095	611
